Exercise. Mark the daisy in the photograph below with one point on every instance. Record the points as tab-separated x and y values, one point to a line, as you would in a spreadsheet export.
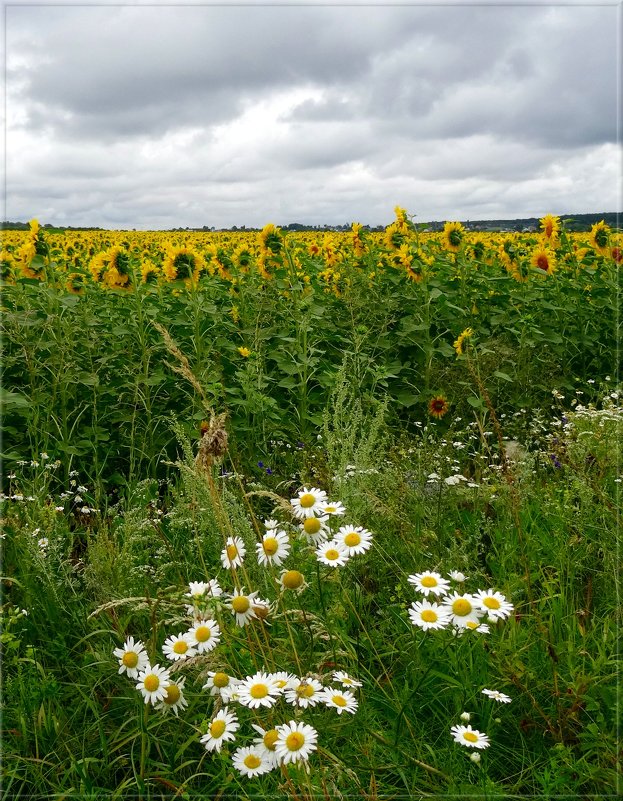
307	504
283	679
132	657
174	699
342	700
274	548
355	540
153	683
332	553
497	696
221	730
258	690
456	575
429	615
429	582
474	625
494	604
471	738
233	553
204	635
463	609
251	761
332	508
303	692
262	609
315	529
269	524
295	741
178	647
220	683
345	680
292	580
266	743
200	588
241	606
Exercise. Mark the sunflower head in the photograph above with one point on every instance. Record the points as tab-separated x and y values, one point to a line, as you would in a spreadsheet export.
453	235
460	341
543	259
75	284
271	239
599	237
550	226
438	407
394	237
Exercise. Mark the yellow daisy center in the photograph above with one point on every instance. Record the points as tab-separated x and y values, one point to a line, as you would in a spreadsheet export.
203	633
220	679
217	728
173	694
252	761
461	607
180	647
270	738
232	552
470	737
270	545
352	539
258	691
240	604
339	700
130	659
292	580
472	624
312	525
491	603
305	690
151	682
307	500
295	741
428	616
330	509
332	554
429	581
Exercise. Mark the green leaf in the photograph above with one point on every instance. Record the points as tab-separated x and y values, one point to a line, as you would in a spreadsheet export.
500	374
13	399
477	403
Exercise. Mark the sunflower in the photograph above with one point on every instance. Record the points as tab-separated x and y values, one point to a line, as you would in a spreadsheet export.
543	259
599	236
453	234
394	237
183	264
75	283
550	226
438	407
458	344
270	239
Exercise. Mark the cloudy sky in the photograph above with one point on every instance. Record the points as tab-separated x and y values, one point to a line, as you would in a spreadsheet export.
154	116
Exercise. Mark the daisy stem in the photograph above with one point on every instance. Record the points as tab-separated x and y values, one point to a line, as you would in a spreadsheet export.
324	611
145	718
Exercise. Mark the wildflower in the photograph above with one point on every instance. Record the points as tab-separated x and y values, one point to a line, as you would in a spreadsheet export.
543	259
220	683
233	553
550	226
471	738
174	699
332	508
295	741
463	609
494	604
307	503
355	540
270	524
429	582
333	554
258	690
292	580
599	237
495	695
178	647
132	657
204	635
438	407
196	589
453	234
342	701
303	692
244	352
429	615
458	344
252	761
43	543
242	607
475	757
221	730
315	529
465	717
456	575
274	548
266	743
345	680
153	683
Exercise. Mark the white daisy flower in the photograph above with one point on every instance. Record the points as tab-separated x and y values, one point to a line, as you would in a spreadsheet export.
471	738
316	529
271	524
303	692
307	503
132	657
332	508
241	607
221	730
332	553
197	589
204	635
251	761
463	609
266	743
178	647
497	696
292	580
282	679
262	609
430	582
465	717
274	548
345	680
220	683
456	575
355	540
153	683
475	757
258	690
429	615
342	700
174	699
494	604
233	553
295	741
474	625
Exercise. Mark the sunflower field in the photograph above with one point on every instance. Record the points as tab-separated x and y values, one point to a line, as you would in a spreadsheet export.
310	514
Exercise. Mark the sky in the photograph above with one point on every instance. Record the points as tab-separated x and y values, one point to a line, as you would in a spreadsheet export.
155	116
